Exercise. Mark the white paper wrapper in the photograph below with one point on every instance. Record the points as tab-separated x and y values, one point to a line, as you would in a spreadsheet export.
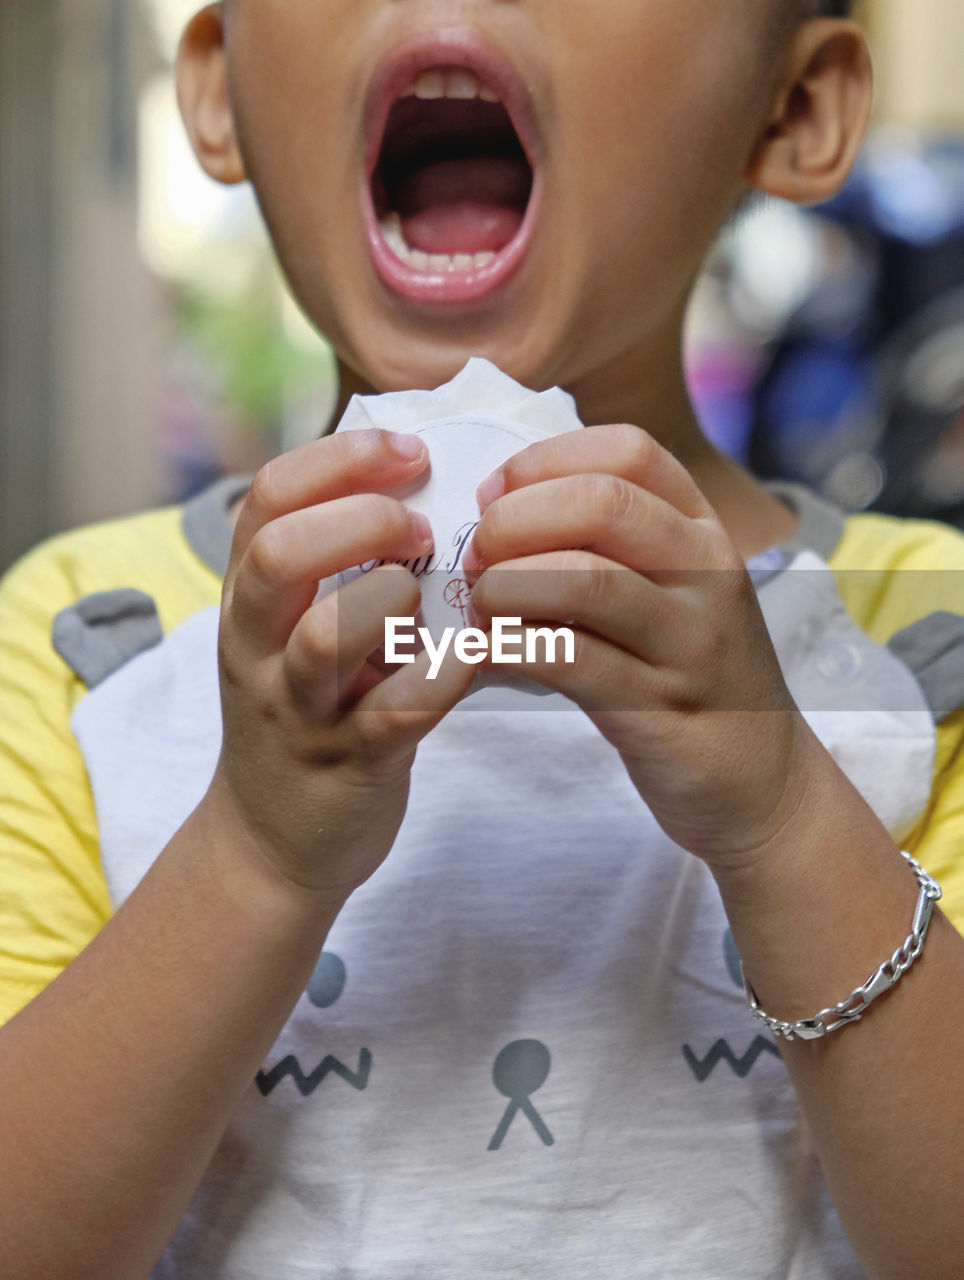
470	426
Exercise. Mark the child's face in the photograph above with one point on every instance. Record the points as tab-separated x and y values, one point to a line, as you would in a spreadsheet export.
639	118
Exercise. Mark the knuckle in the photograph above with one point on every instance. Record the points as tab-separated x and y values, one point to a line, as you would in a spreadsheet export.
683	697
611	496
717	552
596	586
387	519
581	649
398	586
734	587
638	443
705	650
642	444
265	494
266	558
621	498
514	471
585	582
634	446
394	724
231	670
577	564
317	639
363	446
376	736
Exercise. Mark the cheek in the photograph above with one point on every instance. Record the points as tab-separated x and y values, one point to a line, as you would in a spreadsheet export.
644	169
286	90
284	96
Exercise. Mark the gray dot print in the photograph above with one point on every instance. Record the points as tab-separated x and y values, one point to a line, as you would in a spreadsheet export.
520	1069
328	980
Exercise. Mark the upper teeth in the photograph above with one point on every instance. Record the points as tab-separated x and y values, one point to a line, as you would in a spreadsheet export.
453	83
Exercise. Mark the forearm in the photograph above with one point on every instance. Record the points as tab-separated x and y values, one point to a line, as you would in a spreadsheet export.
118	1082
831	900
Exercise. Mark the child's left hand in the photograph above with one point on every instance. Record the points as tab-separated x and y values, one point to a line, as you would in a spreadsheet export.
674	663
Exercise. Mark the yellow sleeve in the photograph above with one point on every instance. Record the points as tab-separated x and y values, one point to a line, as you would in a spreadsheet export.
891	573
53	897
53	894
938	840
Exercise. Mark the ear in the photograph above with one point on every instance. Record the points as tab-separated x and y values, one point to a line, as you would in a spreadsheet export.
820	117
202	94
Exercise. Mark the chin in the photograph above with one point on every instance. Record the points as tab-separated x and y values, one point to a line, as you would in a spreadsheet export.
427	365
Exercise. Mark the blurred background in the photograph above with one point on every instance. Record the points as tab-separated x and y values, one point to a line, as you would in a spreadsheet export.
147	345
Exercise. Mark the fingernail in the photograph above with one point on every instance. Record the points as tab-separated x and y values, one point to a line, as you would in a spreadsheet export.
491	488
408	446
422	527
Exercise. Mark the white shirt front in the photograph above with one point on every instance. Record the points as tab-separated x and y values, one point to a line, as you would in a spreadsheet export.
526	1051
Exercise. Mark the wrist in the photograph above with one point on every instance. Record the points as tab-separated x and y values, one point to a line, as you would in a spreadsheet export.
781	792
822	903
816	799
853	1007
247	869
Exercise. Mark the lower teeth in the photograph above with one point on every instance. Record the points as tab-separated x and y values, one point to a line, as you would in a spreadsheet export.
431	264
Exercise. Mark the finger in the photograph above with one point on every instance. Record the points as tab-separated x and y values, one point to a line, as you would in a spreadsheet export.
613	686
620	450
333	467
601	678
598	512
277	579
397	714
582	590
333	640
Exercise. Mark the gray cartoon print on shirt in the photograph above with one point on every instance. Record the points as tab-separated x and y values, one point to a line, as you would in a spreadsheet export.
520	1069
703	1068
323	990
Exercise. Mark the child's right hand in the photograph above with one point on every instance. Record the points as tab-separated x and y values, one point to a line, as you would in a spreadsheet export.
318	741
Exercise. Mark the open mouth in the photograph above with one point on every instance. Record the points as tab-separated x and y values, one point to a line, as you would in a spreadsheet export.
451	192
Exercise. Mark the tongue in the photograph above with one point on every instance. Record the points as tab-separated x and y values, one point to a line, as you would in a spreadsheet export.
467	227
465	205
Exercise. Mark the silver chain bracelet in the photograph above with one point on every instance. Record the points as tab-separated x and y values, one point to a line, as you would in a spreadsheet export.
855	1006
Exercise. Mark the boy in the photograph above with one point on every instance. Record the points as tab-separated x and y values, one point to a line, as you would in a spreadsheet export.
506	1035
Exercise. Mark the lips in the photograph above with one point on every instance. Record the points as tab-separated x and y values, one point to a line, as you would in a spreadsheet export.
449	167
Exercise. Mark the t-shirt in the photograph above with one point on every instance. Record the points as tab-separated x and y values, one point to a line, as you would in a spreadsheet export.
525	1050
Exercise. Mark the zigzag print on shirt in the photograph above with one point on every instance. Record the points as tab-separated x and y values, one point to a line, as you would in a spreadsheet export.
703	1068
267	1082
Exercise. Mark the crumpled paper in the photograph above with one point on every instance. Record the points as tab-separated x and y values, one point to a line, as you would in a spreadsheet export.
480	389
470	426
